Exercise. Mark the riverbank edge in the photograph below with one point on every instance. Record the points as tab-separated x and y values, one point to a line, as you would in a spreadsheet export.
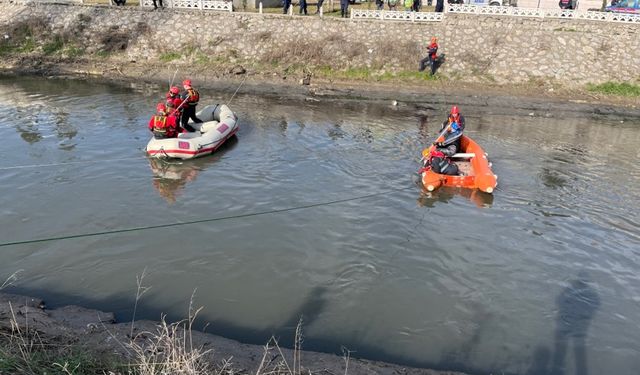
446	92
102	340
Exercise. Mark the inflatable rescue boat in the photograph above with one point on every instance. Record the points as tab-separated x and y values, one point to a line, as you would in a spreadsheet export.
219	124
473	164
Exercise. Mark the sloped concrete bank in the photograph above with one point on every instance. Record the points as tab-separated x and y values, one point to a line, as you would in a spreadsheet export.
99	334
490	49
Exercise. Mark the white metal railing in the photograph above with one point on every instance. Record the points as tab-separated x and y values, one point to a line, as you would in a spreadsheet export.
357	14
49	1
225	6
543	13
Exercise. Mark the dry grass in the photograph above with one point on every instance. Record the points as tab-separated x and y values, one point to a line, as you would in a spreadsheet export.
11	279
167	350
170	351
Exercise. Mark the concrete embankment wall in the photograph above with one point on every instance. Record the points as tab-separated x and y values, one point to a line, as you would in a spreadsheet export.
478	48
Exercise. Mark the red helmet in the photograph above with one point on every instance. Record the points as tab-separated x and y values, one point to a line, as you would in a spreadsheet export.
161	107
186	82
174	90
455	110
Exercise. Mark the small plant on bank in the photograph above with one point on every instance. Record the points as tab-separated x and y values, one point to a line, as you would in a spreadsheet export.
170	56
54	46
614	88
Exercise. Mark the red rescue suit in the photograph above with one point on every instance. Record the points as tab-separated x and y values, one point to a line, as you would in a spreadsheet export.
163	126
433	49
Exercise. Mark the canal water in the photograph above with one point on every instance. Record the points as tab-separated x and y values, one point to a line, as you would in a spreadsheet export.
315	212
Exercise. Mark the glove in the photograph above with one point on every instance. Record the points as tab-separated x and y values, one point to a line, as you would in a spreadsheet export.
455	127
438	144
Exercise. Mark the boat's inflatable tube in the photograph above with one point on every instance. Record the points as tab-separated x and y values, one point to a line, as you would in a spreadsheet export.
219	124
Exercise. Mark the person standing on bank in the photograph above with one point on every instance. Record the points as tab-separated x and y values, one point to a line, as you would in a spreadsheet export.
191	96
319	5
303	7
432	56
439	6
285	6
344	8
155	5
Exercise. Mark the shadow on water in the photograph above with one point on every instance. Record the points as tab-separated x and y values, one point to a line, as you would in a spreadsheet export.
577	304
171	176
309	310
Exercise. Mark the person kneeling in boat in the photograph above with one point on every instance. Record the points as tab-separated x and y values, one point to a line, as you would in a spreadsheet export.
440	163
177	103
163	125
453	136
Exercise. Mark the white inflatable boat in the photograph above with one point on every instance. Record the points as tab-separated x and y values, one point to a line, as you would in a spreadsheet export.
219	124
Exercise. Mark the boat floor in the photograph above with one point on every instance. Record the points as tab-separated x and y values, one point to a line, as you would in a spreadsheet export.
465	167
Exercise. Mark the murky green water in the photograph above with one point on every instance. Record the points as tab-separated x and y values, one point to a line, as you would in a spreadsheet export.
543	276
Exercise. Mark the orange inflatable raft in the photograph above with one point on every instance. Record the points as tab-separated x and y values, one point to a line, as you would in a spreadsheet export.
472	162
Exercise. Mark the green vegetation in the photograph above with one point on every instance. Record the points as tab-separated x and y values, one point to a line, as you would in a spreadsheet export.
73	51
33	358
409	75
614	88
567	29
53	46
366	74
170	56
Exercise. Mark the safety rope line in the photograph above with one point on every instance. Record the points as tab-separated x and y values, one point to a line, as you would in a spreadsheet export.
200	221
69	162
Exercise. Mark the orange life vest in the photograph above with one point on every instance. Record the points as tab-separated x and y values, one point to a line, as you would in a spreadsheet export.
193	96
160	125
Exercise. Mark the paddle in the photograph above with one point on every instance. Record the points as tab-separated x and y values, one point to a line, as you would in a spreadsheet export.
427	151
174	77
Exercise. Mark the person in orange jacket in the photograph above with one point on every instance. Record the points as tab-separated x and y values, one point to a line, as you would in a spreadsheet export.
191	96
432	56
453	136
175	102
162	125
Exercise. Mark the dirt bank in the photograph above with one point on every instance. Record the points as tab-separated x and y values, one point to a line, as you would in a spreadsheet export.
513	99
25	320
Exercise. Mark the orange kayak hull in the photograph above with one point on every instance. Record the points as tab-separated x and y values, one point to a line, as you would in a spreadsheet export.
478	173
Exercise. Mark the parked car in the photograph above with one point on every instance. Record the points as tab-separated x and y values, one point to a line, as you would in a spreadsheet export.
624	6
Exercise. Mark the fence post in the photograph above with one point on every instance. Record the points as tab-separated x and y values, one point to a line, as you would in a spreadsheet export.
201	4
321	11
291	10
260	7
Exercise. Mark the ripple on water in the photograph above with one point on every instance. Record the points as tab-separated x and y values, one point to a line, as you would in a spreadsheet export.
448	278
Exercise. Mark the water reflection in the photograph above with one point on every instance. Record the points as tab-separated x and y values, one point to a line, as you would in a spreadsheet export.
36	122
560	164
171	176
446	193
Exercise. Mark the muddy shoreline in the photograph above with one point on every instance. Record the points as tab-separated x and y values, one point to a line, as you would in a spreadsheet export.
99	334
497	99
